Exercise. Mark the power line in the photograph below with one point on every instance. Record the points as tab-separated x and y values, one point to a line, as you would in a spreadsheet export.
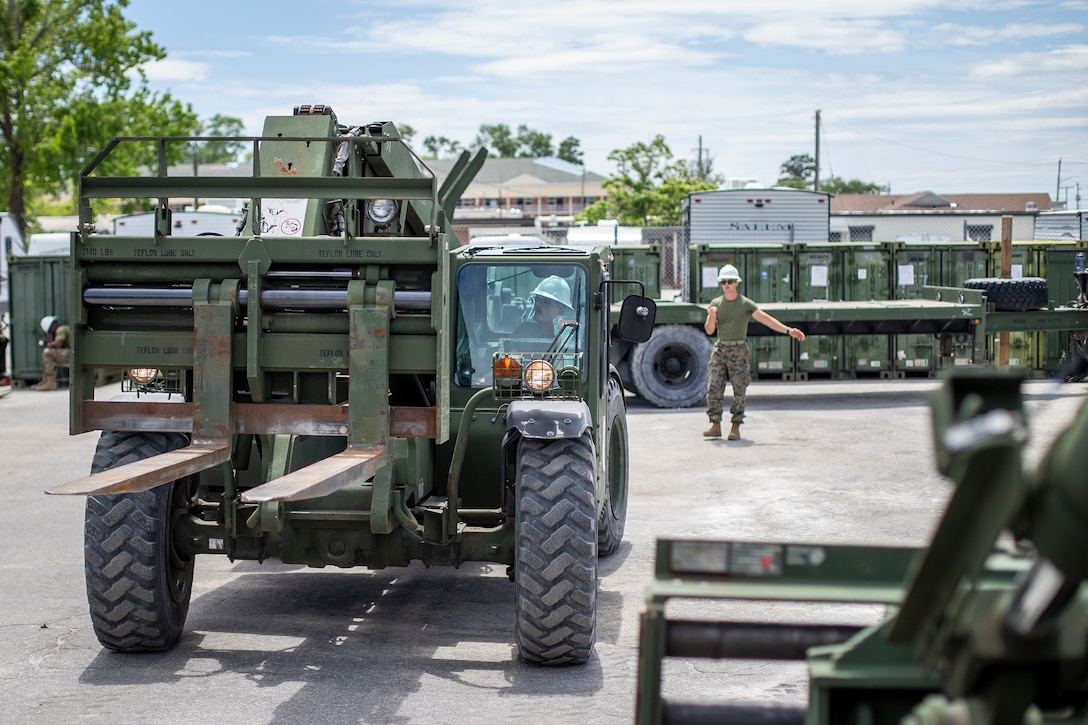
942	153
827	153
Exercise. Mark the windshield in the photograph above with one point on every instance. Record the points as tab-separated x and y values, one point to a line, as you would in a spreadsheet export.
530	308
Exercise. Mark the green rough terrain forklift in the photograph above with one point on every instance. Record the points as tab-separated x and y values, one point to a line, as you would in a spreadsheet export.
342	383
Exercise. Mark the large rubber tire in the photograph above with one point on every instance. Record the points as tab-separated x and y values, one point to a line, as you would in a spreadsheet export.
555	571
669	369
613	517
138	587
623	369
1012	295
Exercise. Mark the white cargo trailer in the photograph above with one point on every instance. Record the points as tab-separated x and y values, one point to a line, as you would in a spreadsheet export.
1058	226
778	215
185	223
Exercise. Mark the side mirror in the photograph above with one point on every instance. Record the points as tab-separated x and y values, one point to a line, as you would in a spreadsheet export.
636	322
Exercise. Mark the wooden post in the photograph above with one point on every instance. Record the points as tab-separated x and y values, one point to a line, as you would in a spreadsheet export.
1006	272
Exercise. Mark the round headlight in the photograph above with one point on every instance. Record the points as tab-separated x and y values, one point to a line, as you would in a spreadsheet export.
539	376
507	371
143	376
382	211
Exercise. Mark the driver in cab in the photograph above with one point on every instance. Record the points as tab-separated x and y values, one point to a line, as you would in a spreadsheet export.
550	301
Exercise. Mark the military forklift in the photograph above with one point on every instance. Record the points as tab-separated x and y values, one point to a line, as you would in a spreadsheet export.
342	383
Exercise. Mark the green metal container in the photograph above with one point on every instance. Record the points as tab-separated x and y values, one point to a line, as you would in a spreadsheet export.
866	272
705	261
769	277
866	276
1025	261
960	262
1024	347
820	356
768	273
819	273
39	287
819	278
641	263
1059	262
916	266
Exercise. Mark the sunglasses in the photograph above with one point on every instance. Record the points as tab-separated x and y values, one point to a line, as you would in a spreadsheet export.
728	281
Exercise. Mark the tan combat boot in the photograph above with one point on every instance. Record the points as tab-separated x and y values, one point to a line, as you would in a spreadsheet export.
49	382
734	432
714	431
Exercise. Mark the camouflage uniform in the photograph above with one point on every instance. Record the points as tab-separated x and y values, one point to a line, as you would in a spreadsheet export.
52	357
730	359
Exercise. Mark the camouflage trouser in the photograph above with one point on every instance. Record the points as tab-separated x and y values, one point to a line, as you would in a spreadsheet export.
54	356
729	361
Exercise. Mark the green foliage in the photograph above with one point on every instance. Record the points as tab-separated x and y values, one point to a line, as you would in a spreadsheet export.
440	147
570	150
498	139
838	185
67	75
647	188
503	143
534	144
794	183
798	171
218	152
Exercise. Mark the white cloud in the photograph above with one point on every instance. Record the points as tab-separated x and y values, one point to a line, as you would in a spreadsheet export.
951	34
845	37
172	69
975	79
1072	59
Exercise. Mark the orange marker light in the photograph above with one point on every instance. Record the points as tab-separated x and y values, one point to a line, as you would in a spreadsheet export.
507	371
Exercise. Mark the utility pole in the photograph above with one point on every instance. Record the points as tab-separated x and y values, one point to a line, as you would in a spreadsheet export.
583	187
816	180
699	164
1058	185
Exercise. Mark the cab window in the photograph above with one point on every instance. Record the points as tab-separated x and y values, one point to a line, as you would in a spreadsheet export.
530	308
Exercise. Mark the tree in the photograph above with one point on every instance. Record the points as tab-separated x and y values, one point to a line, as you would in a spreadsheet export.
497	139
798	171
441	147
529	143
570	151
66	88
838	185
534	144
647	188
218	152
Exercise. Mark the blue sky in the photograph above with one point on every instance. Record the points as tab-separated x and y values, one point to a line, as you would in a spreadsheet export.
951	96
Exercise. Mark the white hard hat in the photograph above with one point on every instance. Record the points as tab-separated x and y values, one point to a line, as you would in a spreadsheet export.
728	272
554	288
47	322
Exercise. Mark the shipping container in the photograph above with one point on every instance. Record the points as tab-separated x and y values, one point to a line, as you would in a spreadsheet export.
867	276
39	287
768	271
916	266
819	279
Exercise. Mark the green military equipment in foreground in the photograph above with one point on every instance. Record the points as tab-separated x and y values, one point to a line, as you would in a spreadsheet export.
341	383
981	626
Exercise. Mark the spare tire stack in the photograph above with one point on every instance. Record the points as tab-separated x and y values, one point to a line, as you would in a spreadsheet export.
1012	295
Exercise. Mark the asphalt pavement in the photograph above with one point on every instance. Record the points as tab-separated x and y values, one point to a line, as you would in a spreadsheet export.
819	461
